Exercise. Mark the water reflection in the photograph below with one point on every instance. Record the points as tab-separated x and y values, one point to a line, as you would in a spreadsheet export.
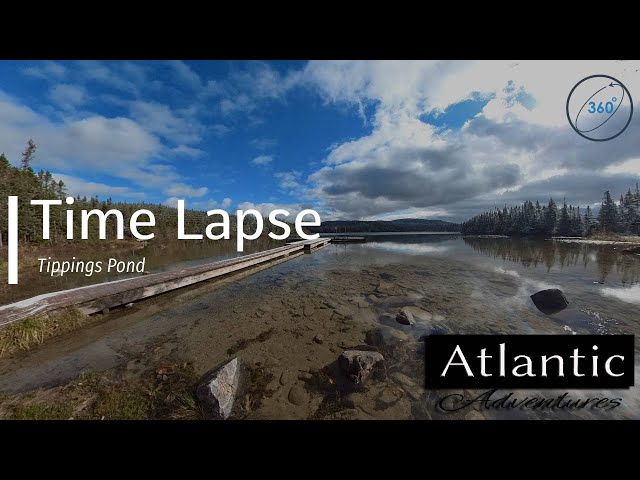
410	249
630	294
532	253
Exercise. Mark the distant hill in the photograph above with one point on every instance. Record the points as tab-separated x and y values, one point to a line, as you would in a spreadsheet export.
400	225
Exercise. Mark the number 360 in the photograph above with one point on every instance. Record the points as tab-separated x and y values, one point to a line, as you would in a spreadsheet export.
608	107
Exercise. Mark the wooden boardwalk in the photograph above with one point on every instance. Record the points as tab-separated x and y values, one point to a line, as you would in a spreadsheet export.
96	298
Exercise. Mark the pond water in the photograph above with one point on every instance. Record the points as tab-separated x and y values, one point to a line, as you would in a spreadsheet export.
291	321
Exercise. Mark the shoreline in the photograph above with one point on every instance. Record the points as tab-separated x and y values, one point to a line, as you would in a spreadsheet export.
596	241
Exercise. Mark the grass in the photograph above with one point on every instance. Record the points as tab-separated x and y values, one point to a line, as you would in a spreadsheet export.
25	334
109	396
126	403
41	411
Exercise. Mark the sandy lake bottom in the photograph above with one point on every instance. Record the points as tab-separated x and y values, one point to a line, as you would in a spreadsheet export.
289	323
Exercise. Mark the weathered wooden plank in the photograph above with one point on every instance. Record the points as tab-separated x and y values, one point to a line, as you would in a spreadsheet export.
95	298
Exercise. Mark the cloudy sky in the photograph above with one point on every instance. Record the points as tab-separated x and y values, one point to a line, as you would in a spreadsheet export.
352	139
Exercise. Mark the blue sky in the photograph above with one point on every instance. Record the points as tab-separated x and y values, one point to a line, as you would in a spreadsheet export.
350	139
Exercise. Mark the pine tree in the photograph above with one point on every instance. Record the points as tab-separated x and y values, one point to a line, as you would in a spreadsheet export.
564	222
635	223
608	216
550	216
527	219
630	210
61	191
589	221
622	223
28	154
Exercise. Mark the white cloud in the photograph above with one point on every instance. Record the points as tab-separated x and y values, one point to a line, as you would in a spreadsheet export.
218	129
172	202
412	213
77	186
226	203
289	180
137	73
117	146
520	141
183	190
264	143
203	204
245	89
106	75
631	167
266	208
262	160
68	96
47	69
160	119
187	151
186	74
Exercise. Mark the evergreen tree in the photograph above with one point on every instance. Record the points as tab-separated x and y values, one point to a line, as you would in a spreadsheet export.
608	216
630	210
28	154
589	221
621	215
550	218
527	219
564	222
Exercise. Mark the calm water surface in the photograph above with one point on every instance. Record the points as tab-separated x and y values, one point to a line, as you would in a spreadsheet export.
465	284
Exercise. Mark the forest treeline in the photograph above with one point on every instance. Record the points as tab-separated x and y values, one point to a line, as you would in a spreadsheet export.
567	220
28	185
400	225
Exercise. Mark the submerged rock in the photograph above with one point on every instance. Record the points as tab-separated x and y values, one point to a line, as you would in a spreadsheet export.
217	391
405	317
357	365
550	301
298	395
382	336
286	377
474	415
419	314
632	250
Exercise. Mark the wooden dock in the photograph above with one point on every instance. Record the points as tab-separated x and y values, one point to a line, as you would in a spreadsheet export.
97	298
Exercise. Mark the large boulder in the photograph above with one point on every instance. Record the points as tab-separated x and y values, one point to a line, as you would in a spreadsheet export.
217	391
632	250
550	301
357	365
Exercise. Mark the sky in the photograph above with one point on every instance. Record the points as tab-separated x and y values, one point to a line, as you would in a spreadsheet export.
350	139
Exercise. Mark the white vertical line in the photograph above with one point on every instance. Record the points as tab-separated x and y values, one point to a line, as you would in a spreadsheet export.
13	240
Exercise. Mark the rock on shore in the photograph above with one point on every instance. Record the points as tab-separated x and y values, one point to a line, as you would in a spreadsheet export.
217	391
357	365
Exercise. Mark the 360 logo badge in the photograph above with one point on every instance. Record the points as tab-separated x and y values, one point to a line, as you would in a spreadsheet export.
599	108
